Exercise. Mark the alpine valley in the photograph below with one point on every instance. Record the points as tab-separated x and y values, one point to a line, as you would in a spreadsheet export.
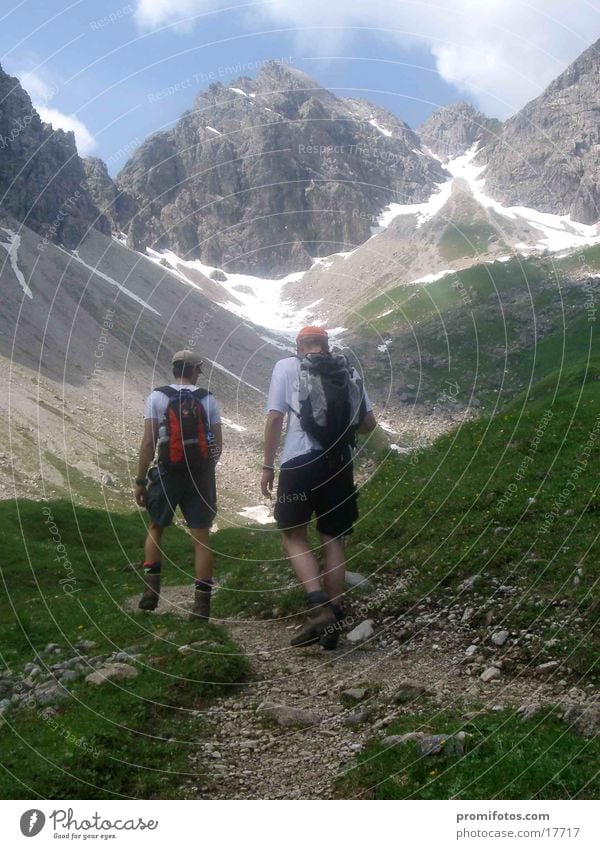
458	263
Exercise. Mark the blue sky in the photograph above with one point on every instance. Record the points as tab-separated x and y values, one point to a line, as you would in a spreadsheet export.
116	71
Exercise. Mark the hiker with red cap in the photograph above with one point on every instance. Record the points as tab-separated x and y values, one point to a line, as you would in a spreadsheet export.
183	422
326	405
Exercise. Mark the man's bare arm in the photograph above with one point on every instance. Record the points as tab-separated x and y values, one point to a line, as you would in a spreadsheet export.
146	455
273	427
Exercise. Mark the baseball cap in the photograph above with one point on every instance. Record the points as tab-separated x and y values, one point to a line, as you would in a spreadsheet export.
189	357
312	331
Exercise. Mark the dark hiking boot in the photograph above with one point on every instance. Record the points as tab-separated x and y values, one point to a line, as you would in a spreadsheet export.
330	636
150	596
201	607
319	618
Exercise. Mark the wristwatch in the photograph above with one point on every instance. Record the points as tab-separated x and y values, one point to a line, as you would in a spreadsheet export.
141	481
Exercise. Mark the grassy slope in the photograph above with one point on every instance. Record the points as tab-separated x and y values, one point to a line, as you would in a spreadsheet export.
143	729
477	332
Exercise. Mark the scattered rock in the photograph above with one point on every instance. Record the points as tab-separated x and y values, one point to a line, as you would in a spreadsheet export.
362	632
468	585
408	691
399	739
584	717
441	744
287	716
550	666
490	674
50	692
53	648
355	579
500	637
471	650
354	695
112	672
359	717
218	275
529	710
69	675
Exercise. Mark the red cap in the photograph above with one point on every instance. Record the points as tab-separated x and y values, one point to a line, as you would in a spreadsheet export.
312	331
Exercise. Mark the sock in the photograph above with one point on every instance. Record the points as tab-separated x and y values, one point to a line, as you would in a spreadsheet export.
318	597
339	613
204	586
151	568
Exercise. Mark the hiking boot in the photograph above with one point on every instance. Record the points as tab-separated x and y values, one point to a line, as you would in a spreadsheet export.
150	596
319	618
201	607
330	636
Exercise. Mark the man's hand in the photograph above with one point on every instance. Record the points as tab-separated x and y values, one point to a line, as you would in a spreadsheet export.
140	495
266	482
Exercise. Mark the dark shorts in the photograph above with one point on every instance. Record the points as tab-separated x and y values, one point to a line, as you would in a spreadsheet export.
308	485
197	498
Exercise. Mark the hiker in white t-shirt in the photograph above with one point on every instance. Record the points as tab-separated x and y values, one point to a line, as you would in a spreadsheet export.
315	390
184	422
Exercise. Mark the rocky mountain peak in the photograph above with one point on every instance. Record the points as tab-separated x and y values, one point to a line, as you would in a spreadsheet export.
452	130
548	154
42	178
264	174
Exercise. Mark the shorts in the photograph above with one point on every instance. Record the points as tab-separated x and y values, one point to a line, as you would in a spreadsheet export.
197	498
308	485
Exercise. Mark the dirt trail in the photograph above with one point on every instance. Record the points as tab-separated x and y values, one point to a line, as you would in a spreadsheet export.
247	755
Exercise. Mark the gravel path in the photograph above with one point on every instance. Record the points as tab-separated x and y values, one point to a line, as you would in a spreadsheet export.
251	752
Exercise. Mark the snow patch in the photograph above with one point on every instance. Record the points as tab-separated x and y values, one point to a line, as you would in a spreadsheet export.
238	91
260	514
381	129
386	344
260	300
559	232
212	130
12	249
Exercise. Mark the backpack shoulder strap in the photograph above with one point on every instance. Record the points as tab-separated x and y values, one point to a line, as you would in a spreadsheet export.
200	393
169	391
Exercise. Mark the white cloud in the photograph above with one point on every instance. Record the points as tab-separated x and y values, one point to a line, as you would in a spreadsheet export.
502	53
85	140
41	93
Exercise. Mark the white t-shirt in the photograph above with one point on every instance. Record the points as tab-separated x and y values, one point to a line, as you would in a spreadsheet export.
157	403
283	396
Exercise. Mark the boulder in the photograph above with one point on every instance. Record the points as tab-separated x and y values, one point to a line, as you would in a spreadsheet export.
492	673
362	632
112	672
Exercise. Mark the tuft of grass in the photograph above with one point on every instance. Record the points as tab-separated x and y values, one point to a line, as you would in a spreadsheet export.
505	757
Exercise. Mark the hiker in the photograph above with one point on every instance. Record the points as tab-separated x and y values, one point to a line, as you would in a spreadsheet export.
185	423
326	405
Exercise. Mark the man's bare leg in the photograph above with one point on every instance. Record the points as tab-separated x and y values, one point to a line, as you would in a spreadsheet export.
320	614
152	555
334	576
304	562
152	549
204	561
204	558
